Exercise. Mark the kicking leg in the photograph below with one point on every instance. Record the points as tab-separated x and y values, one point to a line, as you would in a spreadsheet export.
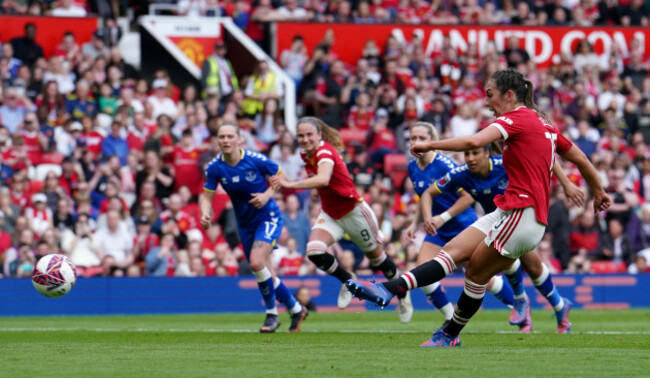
434	291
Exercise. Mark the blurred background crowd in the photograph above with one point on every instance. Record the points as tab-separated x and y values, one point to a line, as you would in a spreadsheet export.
105	166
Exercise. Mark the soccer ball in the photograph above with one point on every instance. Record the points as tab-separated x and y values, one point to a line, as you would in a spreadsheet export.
54	275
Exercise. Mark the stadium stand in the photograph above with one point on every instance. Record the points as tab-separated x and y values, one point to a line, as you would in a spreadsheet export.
90	148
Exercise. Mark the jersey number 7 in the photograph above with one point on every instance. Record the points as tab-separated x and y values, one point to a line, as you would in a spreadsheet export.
553	138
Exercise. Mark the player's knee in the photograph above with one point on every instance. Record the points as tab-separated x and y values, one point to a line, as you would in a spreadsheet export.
257	261
315	248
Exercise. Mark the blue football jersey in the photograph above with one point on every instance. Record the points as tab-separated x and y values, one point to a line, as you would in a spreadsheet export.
246	177
482	189
440	166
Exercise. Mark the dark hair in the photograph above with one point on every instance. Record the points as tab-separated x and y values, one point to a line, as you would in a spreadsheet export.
227	123
297	37
329	134
511	79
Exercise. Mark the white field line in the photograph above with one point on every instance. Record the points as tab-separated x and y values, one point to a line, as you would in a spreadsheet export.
216	330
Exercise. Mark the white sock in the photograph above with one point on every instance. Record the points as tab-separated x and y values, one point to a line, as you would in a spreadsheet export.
447	310
297	308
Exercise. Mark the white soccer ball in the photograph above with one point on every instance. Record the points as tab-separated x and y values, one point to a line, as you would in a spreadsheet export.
54	275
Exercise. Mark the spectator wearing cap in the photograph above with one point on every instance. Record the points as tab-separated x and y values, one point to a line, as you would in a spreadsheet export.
39	216
80	246
96	47
115	145
144	239
25	47
217	73
67	8
14	108
162	103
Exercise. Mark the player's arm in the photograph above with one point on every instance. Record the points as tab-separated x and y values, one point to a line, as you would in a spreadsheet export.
260	199
321	179
431	224
570	190
480	139
410	230
205	206
601	199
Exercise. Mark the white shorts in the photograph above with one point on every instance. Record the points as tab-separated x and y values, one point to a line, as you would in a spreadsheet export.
360	225
513	232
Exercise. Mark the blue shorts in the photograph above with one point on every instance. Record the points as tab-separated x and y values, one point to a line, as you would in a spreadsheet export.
437	239
268	231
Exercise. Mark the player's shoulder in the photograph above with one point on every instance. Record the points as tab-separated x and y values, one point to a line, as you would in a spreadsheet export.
460	170
497	160
444	161
325	150
254	155
214	163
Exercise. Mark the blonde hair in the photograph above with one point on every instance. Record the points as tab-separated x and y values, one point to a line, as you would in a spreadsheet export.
433	133
329	134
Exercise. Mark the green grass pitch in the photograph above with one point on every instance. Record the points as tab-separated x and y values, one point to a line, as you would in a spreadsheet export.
373	344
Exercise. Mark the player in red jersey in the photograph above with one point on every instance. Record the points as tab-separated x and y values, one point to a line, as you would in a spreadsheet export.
343	211
518	223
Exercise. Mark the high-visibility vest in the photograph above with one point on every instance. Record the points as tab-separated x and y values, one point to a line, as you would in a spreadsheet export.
259	86
213	77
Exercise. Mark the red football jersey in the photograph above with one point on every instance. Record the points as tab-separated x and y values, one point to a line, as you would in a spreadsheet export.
340	196
32	146
528	157
186	165
93	141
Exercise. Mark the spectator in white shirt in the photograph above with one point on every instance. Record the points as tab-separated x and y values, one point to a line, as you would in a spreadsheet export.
161	103
115	245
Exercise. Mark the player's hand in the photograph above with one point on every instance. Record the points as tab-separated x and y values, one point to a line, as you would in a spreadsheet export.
432	224
410	231
602	201
206	219
259	200
575	194
419	148
278	182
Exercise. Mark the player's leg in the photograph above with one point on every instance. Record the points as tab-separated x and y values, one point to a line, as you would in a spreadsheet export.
257	251
363	229
543	281
324	233
501	290
434	292
514	234
284	296
520	315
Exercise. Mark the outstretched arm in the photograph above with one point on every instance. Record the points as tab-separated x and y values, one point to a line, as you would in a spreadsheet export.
432	224
601	199
480	139
321	179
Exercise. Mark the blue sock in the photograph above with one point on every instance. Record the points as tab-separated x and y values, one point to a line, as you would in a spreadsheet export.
502	291
265	282
545	286
515	276
285	297
438	297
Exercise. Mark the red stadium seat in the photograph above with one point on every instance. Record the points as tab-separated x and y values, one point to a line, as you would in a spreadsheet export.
608	267
396	167
353	136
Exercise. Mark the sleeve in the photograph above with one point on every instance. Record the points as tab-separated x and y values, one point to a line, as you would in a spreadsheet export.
266	166
563	144
448	183
506	126
211	178
324	155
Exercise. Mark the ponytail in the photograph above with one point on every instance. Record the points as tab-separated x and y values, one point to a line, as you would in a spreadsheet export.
529	100
511	79
329	134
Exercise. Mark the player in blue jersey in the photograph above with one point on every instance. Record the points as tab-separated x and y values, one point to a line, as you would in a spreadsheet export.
483	177
243	175
452	207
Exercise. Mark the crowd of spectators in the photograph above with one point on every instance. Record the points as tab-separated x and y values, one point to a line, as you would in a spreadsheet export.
105	166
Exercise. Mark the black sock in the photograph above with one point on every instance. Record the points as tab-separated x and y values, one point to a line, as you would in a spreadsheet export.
425	274
465	309
328	263
387	267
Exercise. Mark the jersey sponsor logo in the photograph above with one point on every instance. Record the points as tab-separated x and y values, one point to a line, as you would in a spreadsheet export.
250	175
420	184
506	120
235	179
443	181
